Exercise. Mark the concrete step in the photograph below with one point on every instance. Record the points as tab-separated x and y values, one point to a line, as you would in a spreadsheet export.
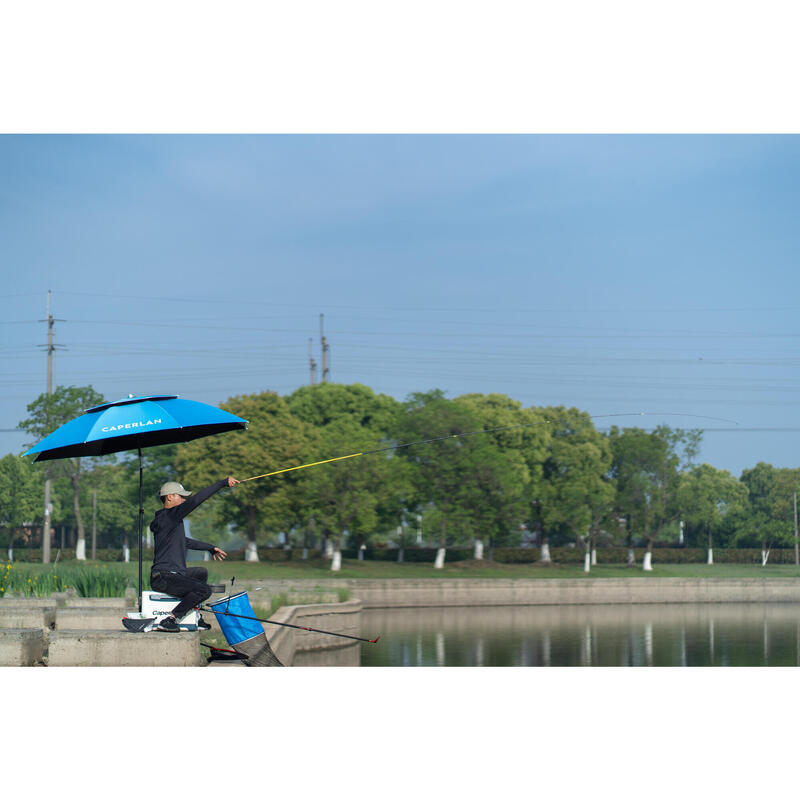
89	619
125	603
112	648
21	647
28	602
42	617
62	601
305	598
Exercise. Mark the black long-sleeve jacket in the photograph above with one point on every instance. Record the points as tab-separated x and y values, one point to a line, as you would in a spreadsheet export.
171	541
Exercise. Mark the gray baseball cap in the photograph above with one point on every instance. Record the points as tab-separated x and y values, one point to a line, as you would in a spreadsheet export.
172	487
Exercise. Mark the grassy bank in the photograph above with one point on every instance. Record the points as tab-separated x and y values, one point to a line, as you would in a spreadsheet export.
319	571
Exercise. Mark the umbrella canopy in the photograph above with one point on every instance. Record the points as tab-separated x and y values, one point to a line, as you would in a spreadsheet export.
133	423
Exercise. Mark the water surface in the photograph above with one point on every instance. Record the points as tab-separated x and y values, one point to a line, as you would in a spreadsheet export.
664	635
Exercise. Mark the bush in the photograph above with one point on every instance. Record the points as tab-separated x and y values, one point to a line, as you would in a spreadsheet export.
415	555
34	554
275	554
661	555
95	581
98	581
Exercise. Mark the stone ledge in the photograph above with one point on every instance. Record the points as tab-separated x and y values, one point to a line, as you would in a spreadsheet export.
112	648
42	617
89	619
336	617
123	603
21	647
396	593
8	603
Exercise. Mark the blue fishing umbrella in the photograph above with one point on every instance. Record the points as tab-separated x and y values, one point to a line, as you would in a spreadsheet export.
131	424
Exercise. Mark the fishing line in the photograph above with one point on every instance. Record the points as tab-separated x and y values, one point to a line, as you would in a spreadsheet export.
289	625
474	433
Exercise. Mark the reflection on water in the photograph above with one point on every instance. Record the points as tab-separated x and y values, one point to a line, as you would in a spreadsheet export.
688	635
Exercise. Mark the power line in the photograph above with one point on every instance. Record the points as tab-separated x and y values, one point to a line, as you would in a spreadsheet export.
639	309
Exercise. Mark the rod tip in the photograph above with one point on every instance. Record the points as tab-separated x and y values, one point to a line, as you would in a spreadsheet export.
372	641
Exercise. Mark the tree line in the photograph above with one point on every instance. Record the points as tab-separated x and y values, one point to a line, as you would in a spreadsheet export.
542	476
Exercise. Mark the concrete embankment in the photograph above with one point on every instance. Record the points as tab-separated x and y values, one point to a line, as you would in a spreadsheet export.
73	631
89	632
306	649
78	631
298	648
402	593
586	591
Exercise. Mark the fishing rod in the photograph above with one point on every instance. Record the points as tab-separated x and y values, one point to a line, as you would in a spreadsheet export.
472	433
230	655
289	625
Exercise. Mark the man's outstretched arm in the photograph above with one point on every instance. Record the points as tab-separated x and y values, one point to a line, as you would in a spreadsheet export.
192	502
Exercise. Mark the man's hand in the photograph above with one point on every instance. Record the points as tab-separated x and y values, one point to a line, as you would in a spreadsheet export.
232	482
217	554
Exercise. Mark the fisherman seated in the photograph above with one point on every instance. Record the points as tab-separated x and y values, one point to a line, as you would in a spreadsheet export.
169	573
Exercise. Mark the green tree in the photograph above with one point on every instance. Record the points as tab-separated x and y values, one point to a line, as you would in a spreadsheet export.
275	439
353	495
706	496
117	487
331	403
454	478
770	521
46	413
786	485
324	403
576	493
20	497
645	469
523	451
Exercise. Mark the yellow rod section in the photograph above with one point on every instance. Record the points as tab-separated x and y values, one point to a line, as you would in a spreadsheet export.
302	466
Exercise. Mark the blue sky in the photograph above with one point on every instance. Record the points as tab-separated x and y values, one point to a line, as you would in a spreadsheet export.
612	273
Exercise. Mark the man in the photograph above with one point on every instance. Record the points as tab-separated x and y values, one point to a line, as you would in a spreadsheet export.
169	573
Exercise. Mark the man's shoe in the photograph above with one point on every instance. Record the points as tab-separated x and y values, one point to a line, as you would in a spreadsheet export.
169	625
202	625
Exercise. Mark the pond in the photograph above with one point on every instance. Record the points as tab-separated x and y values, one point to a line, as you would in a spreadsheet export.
663	635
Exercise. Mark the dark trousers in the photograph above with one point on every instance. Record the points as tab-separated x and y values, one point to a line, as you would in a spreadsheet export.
191	587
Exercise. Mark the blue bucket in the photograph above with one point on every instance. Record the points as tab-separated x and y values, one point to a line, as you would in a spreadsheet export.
236	629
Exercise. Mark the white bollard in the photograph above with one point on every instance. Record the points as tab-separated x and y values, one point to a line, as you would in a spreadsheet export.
439	562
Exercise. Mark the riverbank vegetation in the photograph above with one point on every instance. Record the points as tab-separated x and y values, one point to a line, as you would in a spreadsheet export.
318	570
540	477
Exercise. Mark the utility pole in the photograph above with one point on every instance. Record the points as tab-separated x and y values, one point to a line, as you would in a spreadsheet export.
325	348
312	364
51	348
796	550
94	523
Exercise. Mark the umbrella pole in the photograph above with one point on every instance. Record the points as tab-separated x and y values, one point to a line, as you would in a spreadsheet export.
141	522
